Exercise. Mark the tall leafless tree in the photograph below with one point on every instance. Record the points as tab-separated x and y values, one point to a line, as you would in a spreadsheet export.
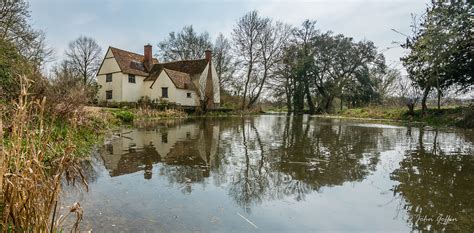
271	43
184	45
222	59
246	36
84	56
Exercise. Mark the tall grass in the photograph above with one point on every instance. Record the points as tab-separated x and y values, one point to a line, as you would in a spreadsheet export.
34	162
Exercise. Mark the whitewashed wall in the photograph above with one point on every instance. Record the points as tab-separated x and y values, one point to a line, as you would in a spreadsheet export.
109	65
132	92
175	95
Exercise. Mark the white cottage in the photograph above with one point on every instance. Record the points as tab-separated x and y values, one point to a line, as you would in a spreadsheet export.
126	77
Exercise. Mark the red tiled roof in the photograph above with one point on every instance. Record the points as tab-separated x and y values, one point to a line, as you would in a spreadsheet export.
179	71
181	80
187	66
131	63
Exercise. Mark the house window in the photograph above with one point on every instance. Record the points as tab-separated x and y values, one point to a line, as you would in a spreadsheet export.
164	137
164	92
131	78
188	94
108	95
108	78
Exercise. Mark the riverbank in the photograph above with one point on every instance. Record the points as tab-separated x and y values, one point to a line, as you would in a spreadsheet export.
461	117
40	151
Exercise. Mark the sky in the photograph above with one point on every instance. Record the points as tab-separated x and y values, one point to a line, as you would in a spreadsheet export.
129	25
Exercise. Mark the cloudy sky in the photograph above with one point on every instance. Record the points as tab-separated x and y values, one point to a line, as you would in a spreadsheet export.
131	24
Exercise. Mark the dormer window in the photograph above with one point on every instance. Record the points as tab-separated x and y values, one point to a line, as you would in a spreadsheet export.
131	78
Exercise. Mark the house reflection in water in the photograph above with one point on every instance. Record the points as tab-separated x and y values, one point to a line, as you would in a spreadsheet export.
185	145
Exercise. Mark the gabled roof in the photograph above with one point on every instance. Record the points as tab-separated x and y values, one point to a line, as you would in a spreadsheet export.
179	71
131	63
187	66
181	80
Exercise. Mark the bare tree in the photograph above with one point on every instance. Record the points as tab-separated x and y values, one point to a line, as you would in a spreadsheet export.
84	56
387	82
410	94
184	45
272	41
222	60
246	35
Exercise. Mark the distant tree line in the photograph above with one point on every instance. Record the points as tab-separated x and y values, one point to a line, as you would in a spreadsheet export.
296	67
312	71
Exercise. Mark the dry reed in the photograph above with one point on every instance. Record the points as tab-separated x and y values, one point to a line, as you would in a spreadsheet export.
149	113
33	163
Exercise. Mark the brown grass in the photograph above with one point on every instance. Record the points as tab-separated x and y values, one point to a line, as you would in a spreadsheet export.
33	164
149	113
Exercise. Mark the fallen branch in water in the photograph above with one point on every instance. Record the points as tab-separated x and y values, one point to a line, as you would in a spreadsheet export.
246	219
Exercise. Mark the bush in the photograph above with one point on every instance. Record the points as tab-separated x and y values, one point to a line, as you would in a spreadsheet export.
124	116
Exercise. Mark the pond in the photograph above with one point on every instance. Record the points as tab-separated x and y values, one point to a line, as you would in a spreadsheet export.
273	173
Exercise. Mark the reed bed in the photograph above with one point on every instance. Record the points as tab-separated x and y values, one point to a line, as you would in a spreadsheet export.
149	113
35	159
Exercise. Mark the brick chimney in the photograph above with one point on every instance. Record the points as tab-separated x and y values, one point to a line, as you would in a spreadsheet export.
208	55
148	61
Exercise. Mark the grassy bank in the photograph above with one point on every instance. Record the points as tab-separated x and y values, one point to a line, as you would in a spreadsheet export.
462	117
39	150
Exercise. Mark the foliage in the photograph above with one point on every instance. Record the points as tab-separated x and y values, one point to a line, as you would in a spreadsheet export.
124	116
320	67
15	29
440	49
12	64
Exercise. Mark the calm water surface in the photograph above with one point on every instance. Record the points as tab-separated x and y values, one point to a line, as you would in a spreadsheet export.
276	173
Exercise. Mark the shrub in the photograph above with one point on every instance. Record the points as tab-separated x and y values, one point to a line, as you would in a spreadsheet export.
124	116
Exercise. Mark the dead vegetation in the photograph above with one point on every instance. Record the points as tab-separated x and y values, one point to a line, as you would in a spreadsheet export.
149	113
34	162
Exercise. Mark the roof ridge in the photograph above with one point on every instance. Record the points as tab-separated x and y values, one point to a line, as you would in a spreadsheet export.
182	61
126	51
164	68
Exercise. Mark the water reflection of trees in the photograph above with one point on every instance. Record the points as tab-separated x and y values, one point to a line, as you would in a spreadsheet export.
436	181
301	155
258	159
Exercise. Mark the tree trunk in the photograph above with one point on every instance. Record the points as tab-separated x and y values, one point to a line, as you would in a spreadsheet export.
340	108
249	72
298	98
411	109
439	98
423	100
289	105
312	107
327	105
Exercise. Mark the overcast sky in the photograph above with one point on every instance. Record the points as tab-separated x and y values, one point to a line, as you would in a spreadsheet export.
131	24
